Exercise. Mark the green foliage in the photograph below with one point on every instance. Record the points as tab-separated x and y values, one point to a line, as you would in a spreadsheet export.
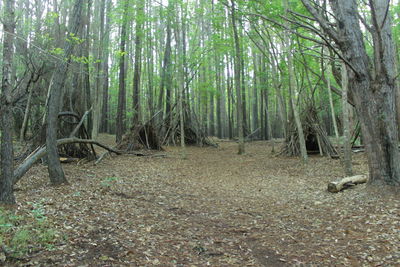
74	39
51	17
26	232
57	51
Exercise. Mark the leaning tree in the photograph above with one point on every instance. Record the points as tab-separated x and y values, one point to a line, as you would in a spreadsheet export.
372	76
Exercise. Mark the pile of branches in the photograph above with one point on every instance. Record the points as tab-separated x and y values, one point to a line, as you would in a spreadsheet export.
194	133
314	134
71	125
140	137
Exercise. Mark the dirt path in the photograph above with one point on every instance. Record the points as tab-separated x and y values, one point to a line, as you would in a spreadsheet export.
215	208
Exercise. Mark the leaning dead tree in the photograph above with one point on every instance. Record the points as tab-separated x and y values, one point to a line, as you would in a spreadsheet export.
317	140
72	142
41	152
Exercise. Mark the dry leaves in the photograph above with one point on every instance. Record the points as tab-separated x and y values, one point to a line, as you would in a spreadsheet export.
216	208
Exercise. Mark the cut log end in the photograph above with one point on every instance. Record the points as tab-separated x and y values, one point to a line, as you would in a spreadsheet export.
337	186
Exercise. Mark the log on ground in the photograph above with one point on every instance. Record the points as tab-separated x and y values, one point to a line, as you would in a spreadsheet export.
346	182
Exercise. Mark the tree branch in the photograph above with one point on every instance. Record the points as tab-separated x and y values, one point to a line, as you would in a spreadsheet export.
41	152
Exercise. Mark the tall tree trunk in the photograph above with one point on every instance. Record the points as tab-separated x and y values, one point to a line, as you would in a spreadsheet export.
166	74
140	16
7	151
104	119
121	111
328	78
181	83
237	67
346	125
56	172
98	93
372	87
255	93
86	68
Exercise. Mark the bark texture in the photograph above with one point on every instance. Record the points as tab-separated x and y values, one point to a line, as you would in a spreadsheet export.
372	87
7	152
56	172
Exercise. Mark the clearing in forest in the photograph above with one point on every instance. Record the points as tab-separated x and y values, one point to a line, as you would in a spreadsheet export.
215	208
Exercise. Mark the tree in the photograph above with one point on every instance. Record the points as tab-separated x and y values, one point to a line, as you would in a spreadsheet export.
106	43
237	66
7	151
293	90
371	86
121	110
56	172
140	17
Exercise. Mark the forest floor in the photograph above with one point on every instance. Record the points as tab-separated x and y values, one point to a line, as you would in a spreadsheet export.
214	208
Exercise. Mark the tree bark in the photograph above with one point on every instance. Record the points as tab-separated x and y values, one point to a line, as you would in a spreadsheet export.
7	150
346	125
328	78
86	67
373	87
98	93
166	73
104	120
346	182
56	172
140	16
237	66
121	110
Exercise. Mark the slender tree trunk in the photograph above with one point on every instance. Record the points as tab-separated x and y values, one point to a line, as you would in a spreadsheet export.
86	68
150	71
255	93
98	94
293	86
140	16
104	121
166	74
56	172
26	116
346	125
121	112
328	78
237	65
181	85
7	150
280	101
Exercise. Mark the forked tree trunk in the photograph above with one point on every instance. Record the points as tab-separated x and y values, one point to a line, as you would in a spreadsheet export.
372	87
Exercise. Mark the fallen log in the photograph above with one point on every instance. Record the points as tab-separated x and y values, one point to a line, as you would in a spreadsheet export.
40	153
346	182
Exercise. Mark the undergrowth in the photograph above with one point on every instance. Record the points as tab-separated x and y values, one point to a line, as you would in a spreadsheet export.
24	232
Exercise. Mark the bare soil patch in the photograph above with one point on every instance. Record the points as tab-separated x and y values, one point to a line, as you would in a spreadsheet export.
215	208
